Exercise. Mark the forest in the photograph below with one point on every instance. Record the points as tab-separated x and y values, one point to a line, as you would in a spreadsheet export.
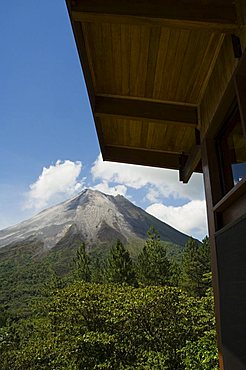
118	312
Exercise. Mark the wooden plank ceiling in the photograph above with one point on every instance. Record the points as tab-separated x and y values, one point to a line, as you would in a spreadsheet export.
147	65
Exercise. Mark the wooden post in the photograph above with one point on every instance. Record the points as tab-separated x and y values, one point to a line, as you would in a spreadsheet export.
212	191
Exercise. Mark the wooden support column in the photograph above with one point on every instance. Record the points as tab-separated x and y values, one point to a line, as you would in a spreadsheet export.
227	225
212	191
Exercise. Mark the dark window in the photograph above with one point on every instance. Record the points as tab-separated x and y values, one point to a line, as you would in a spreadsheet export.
232	152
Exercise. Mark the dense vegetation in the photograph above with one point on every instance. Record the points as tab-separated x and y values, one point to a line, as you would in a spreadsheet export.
117	313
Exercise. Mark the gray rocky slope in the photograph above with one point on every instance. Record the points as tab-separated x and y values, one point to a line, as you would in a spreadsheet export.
95	217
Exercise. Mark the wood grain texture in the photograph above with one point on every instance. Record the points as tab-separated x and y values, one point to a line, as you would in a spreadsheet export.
146	135
156	63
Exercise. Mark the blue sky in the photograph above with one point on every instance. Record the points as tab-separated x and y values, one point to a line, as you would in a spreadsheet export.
48	145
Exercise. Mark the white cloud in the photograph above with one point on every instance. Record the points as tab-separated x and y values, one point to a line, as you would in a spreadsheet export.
113	190
56	183
163	182
189	218
153	195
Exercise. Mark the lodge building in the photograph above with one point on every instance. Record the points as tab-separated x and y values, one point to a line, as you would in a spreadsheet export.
167	87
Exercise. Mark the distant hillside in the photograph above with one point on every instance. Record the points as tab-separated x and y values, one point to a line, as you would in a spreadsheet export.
35	251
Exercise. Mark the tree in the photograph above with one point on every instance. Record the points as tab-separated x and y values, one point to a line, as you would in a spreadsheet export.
153	266
175	270
205	256
97	270
82	264
195	265
119	266
201	352
98	326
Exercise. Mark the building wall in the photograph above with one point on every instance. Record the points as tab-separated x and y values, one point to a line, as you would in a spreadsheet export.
225	92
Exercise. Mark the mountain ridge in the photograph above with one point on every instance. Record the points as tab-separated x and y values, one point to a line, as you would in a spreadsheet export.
95	217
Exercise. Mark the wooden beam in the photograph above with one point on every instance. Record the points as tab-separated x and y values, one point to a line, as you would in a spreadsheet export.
142	109
214	15
141	157
191	164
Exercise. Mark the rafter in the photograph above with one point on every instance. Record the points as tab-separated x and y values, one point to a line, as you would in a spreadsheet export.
190	164
142	109
142	157
214	15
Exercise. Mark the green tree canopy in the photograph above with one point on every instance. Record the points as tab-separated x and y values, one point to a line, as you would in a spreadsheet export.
90	326
119	266
195	264
153	266
82	264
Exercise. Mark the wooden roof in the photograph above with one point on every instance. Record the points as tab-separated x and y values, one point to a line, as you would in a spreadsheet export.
146	66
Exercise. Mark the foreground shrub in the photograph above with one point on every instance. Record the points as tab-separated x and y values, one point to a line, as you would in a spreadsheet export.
90	326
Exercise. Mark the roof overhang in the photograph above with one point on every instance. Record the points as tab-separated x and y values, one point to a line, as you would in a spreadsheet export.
146	66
